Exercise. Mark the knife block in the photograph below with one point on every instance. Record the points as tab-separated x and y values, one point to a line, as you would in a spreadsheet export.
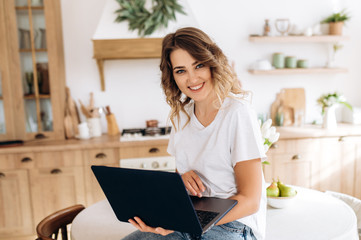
112	125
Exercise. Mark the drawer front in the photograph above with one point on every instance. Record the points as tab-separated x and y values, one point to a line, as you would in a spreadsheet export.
17	161
54	159
295	146
143	151
101	156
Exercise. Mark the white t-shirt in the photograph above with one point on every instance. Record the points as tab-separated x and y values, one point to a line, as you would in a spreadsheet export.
213	151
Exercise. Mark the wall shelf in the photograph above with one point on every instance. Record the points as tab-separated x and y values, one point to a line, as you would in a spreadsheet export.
298	39
135	48
297	71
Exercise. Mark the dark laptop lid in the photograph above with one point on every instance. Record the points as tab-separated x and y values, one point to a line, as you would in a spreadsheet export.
158	198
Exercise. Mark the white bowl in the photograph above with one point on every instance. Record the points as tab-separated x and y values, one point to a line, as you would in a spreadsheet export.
262	65
280	202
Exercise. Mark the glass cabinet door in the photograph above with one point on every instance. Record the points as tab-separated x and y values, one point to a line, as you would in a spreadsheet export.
31	29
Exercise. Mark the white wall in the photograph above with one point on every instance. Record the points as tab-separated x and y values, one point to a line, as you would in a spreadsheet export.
133	86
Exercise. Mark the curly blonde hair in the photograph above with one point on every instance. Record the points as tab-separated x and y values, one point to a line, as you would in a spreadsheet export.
200	46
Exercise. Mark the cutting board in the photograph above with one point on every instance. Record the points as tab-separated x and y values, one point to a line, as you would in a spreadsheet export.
294	98
289	101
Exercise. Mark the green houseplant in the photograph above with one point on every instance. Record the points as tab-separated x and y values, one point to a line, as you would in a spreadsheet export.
336	22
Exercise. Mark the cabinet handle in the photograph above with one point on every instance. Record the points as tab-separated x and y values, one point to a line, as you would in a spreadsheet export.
100	155
40	136
2	175
275	145
341	139
55	171
296	157
26	159
153	150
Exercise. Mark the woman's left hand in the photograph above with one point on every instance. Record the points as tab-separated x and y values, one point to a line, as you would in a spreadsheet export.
141	226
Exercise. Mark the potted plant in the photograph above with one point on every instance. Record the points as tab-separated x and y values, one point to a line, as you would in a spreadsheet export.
328	103
336	21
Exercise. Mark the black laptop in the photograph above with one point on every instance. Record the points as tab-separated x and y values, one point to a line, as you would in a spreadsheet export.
160	199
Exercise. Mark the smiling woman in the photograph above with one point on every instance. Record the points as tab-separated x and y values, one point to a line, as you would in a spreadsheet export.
215	138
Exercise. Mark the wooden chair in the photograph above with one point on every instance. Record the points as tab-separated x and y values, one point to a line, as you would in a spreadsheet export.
49	227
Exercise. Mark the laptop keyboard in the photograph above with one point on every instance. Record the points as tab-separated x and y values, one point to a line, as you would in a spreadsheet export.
205	217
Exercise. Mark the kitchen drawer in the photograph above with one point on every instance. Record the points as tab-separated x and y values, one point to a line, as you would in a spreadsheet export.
17	161
54	159
101	156
295	146
143	151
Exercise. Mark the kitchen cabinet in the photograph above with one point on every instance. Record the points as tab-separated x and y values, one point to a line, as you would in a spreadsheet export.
32	70
357	186
293	162
56	182
327	162
144	151
326	39
100	156
337	164
15	200
15	204
35	184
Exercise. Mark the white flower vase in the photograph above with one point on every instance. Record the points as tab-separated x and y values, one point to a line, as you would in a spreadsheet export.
329	118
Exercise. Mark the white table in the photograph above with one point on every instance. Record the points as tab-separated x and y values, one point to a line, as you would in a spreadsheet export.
313	215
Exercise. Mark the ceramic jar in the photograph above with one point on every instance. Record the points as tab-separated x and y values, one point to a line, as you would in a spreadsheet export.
278	60
290	62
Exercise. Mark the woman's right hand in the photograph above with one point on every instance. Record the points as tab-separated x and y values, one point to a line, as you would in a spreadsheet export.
141	226
193	183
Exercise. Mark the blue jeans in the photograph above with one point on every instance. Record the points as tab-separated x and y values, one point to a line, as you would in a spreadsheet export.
229	231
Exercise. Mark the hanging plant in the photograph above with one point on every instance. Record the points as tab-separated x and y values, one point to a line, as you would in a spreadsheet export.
146	22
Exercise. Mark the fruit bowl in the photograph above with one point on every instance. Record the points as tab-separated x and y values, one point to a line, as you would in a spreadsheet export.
280	202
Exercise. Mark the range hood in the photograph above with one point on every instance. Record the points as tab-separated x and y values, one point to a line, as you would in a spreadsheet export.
113	40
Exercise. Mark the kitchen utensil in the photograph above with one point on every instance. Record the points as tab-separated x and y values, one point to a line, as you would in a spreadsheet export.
288	102
84	110
111	122
73	111
91	101
68	121
112	125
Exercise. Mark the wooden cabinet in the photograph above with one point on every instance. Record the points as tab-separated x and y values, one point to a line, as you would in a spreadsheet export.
35	184
56	182
32	70
149	150
327	163
15	204
293	162
337	164
357	186
15	199
101	156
